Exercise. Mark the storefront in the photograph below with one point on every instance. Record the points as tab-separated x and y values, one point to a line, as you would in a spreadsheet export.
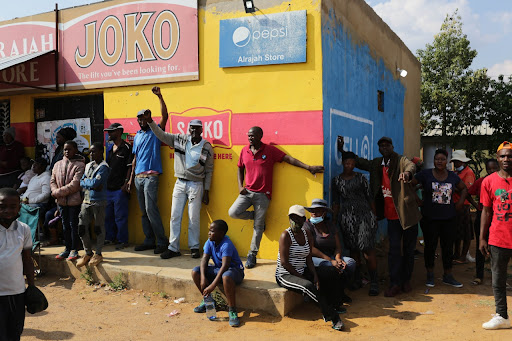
304	71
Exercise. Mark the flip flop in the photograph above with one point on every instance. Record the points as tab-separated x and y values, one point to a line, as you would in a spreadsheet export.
457	262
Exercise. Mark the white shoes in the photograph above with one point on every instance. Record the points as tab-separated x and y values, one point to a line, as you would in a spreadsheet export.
469	258
497	322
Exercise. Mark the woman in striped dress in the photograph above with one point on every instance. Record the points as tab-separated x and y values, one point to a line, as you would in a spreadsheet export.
293	257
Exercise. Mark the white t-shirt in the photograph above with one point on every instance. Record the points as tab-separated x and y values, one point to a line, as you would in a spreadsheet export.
13	241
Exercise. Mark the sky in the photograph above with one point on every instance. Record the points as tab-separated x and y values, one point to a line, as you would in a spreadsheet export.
488	24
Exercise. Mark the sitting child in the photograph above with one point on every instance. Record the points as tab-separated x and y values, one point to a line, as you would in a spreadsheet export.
228	268
25	176
94	184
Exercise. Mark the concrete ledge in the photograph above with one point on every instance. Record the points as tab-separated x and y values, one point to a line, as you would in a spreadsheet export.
147	271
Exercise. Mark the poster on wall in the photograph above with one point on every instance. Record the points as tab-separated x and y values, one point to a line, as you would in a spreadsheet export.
278	38
106	44
47	131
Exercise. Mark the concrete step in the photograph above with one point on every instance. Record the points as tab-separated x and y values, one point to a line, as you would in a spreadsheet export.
147	271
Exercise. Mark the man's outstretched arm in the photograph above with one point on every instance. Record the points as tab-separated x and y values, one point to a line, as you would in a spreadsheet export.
294	162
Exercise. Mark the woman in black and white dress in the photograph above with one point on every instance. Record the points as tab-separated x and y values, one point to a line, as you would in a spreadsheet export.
295	270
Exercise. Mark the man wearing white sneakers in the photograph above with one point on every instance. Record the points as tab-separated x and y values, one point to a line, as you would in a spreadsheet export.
496	198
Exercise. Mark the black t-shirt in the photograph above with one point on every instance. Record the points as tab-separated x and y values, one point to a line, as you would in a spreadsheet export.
438	195
119	162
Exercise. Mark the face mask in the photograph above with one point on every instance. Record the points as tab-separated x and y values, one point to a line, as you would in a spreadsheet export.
458	169
316	220
294	226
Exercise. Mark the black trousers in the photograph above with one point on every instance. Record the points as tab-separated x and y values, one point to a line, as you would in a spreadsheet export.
480	259
499	261
402	244
12	317
439	230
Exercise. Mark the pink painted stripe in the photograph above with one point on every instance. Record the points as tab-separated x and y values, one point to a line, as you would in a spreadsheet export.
284	128
25	133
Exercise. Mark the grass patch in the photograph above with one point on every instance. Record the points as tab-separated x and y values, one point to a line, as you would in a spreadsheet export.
118	283
87	275
161	294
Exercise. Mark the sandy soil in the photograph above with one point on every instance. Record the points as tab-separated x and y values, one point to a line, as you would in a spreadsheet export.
80	312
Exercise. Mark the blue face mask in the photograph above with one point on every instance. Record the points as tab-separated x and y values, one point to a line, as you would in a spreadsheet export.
459	169
316	220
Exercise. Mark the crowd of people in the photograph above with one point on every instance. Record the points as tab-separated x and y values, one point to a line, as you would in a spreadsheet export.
311	260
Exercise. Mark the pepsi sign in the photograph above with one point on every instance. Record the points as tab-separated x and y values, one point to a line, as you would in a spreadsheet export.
263	39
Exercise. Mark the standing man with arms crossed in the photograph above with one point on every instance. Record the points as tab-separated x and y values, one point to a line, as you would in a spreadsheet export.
146	167
496	224
193	168
255	166
119	159
395	200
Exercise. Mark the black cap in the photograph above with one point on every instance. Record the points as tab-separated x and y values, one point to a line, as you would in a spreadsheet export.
114	126
385	139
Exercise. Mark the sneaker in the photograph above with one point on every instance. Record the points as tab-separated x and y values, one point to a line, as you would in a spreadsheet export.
195	253
449	280
169	254
374	289
201	308
497	322
122	246
469	258
96	259
430	280
160	249
83	261
73	255
251	261
392	291
144	247
62	255
340	309
233	319
337	324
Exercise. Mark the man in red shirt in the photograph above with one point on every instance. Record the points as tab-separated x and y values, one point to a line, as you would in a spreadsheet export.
496	198
256	166
464	231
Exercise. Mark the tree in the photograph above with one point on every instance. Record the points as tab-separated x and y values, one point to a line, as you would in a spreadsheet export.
500	109
453	97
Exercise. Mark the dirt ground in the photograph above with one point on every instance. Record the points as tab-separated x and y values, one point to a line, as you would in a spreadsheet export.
81	312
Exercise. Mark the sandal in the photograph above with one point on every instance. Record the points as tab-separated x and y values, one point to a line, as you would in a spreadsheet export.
458	262
476	281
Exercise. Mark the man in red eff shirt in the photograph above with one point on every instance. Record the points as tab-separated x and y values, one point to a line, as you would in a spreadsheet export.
256	166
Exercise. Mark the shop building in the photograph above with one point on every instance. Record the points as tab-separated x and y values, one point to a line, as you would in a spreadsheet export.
304	70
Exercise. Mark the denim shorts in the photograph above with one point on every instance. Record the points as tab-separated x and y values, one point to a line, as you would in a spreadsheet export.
211	272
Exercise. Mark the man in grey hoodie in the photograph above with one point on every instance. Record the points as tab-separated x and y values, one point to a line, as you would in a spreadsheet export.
193	168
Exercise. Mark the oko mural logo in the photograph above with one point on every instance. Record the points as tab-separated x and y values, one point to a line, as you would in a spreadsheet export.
243	35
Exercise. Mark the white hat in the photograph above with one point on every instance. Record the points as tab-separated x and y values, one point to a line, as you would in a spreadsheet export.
460	155
298	210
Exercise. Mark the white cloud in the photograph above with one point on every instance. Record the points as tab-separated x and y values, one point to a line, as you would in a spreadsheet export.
417	21
504	18
503	68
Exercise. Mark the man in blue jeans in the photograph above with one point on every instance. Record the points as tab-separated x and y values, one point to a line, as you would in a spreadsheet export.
146	167
119	159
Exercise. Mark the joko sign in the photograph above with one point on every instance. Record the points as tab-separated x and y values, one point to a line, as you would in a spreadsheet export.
264	39
105	44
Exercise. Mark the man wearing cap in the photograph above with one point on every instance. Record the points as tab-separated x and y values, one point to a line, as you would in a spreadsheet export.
395	200
496	224
146	167
464	231
10	155
119	159
193	168
255	167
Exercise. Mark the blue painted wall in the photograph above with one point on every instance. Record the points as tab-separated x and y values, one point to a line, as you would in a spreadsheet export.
352	76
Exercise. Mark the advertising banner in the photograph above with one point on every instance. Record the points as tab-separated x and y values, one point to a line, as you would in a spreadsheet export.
47	131
113	43
263	39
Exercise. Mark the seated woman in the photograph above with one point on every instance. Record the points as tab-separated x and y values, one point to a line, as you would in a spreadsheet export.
326	250
353	202
291	273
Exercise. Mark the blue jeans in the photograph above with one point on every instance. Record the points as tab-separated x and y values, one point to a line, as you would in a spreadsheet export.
116	216
183	191
349	268
237	275
402	244
69	215
147	193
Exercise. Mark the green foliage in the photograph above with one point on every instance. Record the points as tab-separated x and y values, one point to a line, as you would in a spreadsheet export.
500	109
118	283
87	275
